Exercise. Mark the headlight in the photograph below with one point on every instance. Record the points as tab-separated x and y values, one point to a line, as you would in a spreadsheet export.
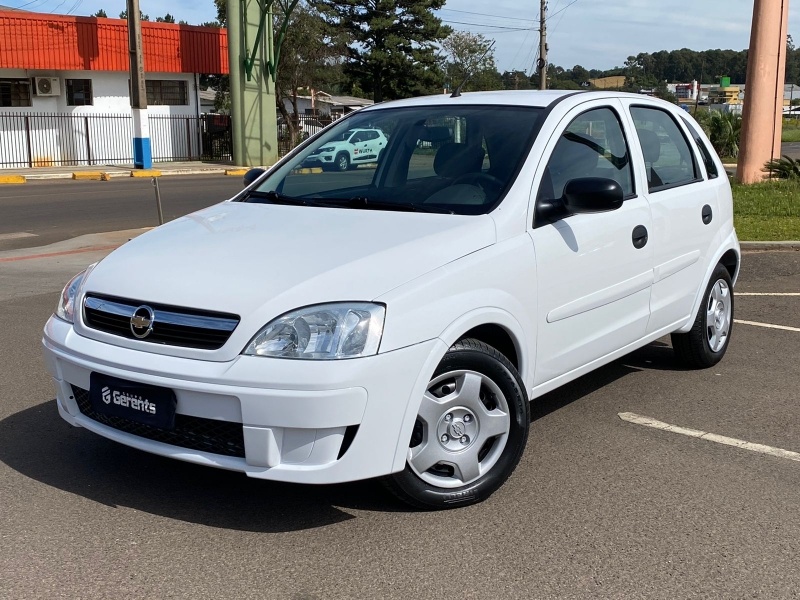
66	303
327	149
322	332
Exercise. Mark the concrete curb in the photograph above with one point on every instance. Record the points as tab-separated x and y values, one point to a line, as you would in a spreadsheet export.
307	170
88	176
146	173
13	179
790	245
107	175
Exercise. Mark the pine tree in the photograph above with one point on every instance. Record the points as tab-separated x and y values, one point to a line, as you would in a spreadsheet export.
393	54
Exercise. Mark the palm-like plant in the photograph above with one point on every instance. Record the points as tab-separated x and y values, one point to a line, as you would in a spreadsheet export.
783	168
725	130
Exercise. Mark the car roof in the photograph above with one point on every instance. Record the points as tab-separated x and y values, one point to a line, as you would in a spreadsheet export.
534	98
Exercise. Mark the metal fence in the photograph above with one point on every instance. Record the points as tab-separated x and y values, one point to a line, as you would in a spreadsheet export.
304	127
44	140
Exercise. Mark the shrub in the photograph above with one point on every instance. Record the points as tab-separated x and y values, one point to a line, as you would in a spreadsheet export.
725	131
783	168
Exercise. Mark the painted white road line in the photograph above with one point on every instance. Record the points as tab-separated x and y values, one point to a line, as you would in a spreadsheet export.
767	293
16	236
711	437
767	325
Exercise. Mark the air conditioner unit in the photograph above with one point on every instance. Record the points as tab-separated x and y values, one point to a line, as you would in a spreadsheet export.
47	86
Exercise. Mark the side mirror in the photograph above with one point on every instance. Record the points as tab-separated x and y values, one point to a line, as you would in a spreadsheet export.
592	195
252	175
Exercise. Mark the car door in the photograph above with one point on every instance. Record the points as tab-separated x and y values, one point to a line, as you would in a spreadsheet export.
594	270
360	146
683	205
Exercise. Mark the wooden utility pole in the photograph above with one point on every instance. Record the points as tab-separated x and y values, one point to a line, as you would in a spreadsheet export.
142	154
762	117
542	62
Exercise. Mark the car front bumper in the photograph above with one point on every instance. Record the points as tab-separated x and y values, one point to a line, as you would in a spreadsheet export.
301	421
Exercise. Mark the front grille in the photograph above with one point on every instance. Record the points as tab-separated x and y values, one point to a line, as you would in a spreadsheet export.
171	325
194	433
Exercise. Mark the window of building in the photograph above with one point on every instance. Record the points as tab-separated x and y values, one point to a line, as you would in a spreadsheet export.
669	159
15	92
167	92
79	92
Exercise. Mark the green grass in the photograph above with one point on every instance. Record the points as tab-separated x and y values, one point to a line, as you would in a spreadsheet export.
791	130
768	211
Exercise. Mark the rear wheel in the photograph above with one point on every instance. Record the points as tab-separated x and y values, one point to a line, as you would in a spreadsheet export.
470	432
706	343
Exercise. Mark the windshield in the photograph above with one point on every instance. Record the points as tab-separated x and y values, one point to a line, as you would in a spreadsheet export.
449	159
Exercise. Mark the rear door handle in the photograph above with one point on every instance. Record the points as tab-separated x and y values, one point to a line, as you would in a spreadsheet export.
639	236
708	214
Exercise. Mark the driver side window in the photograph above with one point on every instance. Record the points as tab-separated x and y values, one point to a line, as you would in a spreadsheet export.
593	145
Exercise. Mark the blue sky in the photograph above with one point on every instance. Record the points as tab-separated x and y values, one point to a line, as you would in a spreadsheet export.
592	33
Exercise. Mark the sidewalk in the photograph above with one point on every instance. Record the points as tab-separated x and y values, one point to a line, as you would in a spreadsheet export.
106	172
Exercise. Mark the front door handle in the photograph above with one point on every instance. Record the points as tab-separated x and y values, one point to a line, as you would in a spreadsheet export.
639	236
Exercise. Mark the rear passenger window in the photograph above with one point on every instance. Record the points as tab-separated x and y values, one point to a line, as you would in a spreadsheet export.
708	161
593	145
667	155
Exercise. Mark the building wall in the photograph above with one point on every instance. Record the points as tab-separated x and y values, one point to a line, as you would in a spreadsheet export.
109	90
56	134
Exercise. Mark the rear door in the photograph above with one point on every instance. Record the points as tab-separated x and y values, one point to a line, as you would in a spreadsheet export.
594	273
683	202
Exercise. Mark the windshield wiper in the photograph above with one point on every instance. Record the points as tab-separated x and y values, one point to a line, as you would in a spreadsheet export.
364	203
274	197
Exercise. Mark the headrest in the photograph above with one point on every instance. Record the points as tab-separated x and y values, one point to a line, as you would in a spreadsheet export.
575	157
651	145
454	159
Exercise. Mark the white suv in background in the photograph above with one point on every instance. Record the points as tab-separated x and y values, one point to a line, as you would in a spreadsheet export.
396	322
348	149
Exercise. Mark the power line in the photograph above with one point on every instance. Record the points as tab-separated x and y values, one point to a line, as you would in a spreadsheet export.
24	5
562	10
488	25
467	12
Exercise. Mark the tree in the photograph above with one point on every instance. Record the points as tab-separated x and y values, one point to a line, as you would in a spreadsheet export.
515	80
470	59
142	16
310	59
101	14
222	12
167	18
393	52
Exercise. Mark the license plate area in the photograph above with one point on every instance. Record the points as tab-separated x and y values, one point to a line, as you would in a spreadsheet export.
146	404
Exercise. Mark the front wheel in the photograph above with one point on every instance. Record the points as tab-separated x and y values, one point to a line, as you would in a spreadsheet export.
706	343
470	432
342	162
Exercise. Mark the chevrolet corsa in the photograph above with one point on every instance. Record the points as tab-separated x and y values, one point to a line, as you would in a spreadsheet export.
396	319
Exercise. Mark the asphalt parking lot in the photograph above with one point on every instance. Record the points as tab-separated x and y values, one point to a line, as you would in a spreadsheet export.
599	507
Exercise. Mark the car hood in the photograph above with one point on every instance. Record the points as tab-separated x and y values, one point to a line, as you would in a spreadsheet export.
259	260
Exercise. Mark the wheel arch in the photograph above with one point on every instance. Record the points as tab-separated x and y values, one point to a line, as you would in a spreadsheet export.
729	255
494	327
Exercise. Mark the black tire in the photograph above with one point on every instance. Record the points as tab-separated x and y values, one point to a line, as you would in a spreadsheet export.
342	162
495	372
694	349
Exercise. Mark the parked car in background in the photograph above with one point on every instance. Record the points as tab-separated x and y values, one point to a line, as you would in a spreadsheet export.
348	150
396	322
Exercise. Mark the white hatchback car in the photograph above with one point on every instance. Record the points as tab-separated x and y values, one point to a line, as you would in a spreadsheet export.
395	322
347	150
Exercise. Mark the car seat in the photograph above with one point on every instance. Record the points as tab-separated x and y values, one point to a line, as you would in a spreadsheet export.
651	149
